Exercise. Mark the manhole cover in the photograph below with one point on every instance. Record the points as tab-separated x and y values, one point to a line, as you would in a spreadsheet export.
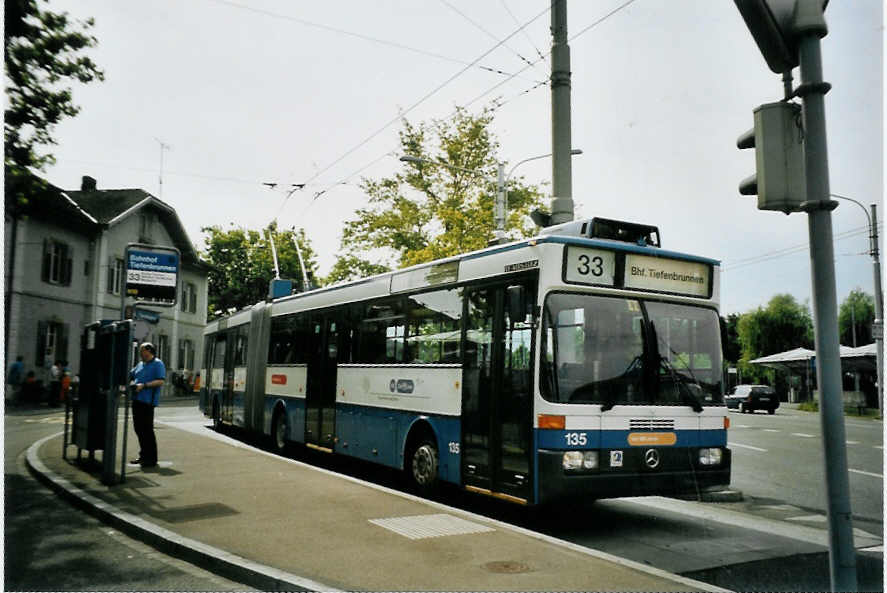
506	567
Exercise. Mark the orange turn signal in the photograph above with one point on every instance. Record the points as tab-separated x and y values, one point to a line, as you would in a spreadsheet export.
553	422
726	422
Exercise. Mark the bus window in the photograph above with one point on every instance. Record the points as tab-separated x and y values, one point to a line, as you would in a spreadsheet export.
434	327
381	333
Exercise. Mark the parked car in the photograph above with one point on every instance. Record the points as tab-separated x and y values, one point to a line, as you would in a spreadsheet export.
748	398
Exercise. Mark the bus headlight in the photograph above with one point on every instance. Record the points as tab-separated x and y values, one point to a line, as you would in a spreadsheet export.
575	461
710	456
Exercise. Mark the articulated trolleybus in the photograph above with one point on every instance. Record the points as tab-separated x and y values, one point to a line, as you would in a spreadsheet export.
583	362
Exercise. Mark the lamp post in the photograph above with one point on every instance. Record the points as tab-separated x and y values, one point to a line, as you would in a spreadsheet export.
878	326
501	180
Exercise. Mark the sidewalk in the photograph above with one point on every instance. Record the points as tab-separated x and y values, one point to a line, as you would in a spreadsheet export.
276	523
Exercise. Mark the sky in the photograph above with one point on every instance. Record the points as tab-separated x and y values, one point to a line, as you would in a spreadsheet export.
247	92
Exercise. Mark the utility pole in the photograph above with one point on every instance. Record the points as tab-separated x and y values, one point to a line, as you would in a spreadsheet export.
561	141
878	326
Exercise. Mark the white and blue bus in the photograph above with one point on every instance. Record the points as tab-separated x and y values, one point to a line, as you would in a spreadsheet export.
582	362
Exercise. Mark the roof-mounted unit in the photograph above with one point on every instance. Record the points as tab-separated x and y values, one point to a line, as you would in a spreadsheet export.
605	228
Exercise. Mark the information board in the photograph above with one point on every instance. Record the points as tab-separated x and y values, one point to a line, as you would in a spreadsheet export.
667	275
152	274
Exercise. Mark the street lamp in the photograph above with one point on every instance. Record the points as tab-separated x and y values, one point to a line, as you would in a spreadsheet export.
501	181
878	326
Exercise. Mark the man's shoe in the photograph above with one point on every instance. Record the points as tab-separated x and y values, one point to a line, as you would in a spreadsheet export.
136	461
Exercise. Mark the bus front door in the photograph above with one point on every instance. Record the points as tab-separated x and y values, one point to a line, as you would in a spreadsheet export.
496	401
320	400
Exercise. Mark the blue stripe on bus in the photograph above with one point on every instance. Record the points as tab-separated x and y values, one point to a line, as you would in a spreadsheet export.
614	439
295	416
379	435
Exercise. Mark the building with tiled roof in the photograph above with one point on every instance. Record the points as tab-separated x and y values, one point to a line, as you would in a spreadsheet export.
64	269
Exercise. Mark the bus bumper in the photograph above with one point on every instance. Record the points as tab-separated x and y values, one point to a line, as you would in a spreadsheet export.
680	473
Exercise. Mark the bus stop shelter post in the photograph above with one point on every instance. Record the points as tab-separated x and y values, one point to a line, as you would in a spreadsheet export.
110	417
131	364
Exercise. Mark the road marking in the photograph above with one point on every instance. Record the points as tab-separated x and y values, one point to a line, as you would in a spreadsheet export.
771	430
747	447
859	471
804	434
852	442
743	426
879	447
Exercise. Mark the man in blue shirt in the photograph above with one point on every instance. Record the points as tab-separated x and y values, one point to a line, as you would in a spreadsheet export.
147	381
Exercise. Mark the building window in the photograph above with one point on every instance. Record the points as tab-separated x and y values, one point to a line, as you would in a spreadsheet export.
163	348
189	298
146	220
57	262
115	276
52	343
186	354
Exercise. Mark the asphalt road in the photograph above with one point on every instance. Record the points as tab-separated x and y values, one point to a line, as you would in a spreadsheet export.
780	458
50	545
774	539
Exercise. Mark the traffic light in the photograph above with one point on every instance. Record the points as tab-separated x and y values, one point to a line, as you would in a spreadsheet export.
780	181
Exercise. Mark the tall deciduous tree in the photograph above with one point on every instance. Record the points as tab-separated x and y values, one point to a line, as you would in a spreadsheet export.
860	307
429	210
784	324
42	52
243	264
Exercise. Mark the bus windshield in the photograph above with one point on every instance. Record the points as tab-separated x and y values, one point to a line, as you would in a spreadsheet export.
608	351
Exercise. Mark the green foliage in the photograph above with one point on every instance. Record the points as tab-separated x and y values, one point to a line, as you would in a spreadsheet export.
429	211
784	324
730	338
42	51
243	264
809	406
860	306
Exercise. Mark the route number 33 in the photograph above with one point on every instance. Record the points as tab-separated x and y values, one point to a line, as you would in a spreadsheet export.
593	265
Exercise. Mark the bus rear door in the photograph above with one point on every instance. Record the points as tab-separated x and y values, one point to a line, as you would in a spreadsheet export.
320	400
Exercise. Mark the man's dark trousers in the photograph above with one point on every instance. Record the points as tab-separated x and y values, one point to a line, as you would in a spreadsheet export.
143	424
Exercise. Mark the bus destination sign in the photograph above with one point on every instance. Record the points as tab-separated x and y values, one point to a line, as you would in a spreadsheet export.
688	278
152	274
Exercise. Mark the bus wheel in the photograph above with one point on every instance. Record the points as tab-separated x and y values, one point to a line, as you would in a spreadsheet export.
278	431
423	466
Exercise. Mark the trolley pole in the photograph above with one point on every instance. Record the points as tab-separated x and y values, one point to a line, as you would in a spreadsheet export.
561	141
842	554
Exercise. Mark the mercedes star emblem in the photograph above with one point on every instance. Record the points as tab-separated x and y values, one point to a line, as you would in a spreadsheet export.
651	458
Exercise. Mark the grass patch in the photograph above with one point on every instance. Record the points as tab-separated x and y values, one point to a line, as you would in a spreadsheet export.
813	406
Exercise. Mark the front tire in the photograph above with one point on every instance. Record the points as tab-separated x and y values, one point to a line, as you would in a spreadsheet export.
423	466
742	409
771	411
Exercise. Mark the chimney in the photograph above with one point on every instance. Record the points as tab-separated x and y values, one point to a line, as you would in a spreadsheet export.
88	183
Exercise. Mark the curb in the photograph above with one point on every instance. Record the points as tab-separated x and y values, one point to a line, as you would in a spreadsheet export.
210	558
714	496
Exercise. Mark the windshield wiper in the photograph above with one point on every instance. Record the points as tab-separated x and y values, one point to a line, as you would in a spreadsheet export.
680	381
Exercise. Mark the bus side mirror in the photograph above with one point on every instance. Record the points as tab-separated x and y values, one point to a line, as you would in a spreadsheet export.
517	303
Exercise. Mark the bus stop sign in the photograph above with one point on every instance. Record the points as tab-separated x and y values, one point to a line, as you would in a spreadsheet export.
152	274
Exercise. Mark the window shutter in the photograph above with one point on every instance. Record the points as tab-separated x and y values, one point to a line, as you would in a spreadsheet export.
47	261
61	349
68	265
112	270
193	298
41	344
